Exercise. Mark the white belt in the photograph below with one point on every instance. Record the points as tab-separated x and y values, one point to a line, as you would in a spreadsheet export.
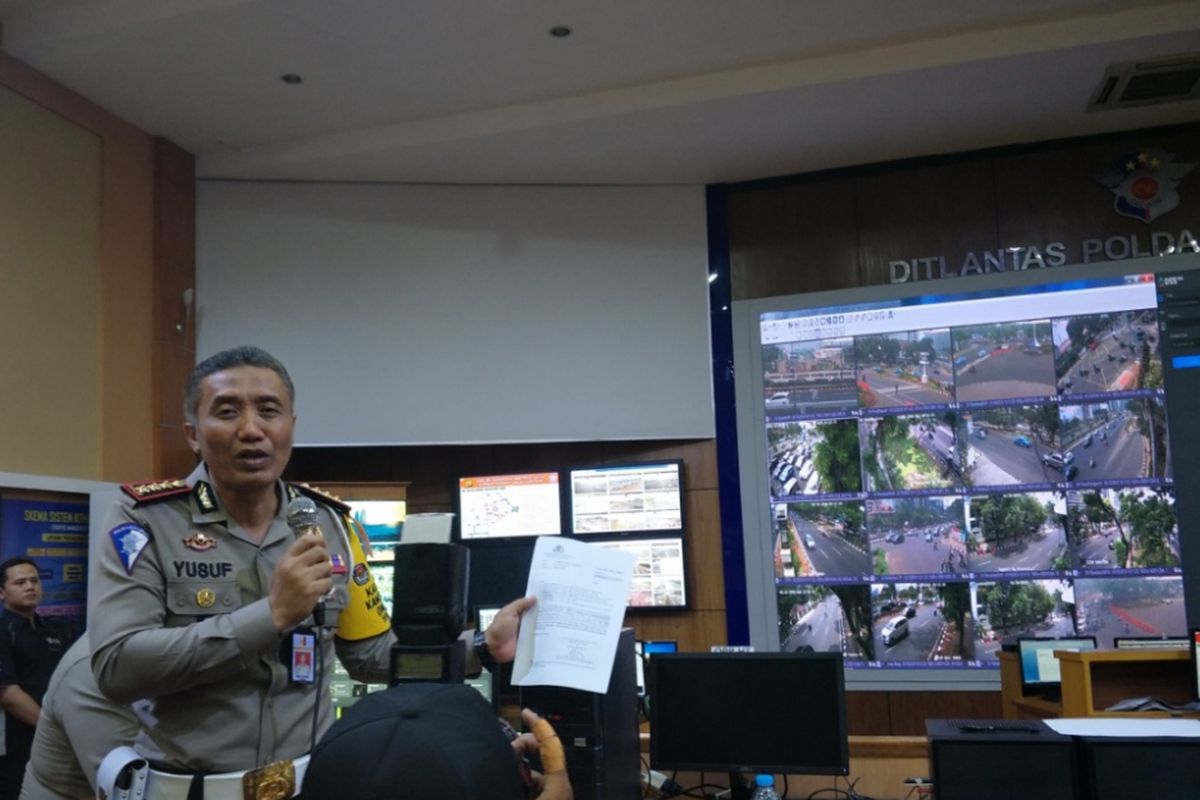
154	785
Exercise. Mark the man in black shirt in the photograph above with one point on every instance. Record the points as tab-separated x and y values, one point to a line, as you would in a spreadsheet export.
29	650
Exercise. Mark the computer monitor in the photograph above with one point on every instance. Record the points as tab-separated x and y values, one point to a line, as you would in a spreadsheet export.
748	712
644	650
659	570
625	498
1039	668
484	616
504	506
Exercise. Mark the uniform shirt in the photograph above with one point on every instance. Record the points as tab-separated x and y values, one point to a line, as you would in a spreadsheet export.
29	651
77	728
181	617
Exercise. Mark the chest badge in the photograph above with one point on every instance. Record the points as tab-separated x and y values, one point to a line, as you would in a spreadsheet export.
205	598
337	564
198	541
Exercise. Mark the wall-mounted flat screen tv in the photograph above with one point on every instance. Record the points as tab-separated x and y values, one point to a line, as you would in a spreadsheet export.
625	499
930	469
504	506
659	574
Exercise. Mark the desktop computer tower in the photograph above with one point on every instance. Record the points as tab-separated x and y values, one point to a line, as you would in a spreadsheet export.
599	732
1000	760
1115	768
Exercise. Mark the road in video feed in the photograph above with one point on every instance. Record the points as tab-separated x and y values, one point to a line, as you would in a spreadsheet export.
1005	360
809	377
820	539
951	472
904	369
825	619
1011	445
1107	352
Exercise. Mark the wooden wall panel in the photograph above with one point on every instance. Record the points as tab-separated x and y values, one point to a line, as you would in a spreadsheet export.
793	238
919	212
174	321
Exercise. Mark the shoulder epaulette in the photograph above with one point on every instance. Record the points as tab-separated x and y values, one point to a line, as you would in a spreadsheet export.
151	491
318	494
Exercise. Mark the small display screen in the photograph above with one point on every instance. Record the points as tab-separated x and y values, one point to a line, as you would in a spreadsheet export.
502	506
633	498
1039	667
659	580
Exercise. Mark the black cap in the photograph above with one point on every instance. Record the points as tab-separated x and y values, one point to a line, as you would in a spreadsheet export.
415	741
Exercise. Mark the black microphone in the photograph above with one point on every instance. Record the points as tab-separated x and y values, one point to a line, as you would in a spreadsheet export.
302	519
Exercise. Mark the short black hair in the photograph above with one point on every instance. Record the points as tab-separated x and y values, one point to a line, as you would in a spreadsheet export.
13	562
244	356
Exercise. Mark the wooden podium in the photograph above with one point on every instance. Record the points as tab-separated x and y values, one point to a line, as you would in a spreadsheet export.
1093	680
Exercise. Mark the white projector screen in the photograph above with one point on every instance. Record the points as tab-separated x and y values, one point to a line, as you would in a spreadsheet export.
465	314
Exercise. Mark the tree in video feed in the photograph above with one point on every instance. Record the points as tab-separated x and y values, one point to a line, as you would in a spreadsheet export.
1146	529
1151	422
1019	532
1019	606
856	606
910	451
956	605
837	457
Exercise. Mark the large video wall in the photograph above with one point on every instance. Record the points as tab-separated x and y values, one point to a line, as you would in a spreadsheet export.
946	472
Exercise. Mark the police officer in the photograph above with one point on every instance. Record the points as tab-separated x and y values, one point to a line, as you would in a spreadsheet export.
204	599
77	728
30	647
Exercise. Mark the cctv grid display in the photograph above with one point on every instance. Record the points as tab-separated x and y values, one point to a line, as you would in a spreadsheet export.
632	507
944	472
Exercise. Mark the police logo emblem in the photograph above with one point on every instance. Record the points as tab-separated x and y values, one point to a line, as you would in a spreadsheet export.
199	542
1143	183
361	575
205	598
129	540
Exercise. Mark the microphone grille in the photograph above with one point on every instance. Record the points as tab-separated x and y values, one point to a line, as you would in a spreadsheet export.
301	513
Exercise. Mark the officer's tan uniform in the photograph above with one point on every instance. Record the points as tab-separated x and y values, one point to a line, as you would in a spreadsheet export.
76	729
182	617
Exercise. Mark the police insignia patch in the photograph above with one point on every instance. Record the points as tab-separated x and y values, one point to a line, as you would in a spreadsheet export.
361	575
204	499
198	541
129	540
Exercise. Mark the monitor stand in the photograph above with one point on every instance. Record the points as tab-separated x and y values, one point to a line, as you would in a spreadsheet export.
738	790
1052	694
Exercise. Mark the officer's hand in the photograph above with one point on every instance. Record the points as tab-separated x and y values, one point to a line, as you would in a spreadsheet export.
501	635
553	783
301	578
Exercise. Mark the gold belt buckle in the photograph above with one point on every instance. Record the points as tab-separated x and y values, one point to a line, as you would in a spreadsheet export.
274	781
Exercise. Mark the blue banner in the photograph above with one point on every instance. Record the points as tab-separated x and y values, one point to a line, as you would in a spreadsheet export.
55	536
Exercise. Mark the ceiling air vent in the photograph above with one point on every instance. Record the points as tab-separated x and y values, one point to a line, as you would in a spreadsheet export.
1143	83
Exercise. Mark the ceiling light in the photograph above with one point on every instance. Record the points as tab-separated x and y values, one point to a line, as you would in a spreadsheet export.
291	77
560	31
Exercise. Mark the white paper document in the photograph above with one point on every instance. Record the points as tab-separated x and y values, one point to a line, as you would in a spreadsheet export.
570	637
1113	726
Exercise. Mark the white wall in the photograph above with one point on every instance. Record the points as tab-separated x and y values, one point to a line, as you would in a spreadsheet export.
466	314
